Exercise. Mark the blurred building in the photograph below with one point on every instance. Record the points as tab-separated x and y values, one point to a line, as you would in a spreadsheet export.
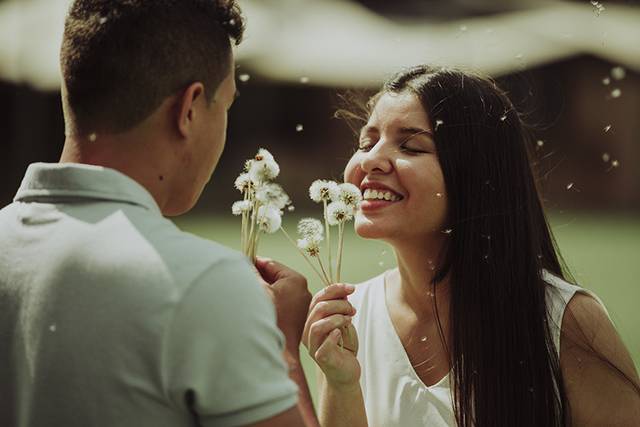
572	67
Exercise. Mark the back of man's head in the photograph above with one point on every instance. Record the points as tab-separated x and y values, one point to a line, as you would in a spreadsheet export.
121	58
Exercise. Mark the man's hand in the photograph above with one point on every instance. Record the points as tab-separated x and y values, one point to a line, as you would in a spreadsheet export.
291	297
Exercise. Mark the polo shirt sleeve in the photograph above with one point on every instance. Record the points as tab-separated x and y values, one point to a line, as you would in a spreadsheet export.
223	351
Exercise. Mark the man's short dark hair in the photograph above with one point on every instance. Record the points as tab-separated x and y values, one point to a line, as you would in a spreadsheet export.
121	58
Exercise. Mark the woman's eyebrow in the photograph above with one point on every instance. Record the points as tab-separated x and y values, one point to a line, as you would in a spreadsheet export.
413	131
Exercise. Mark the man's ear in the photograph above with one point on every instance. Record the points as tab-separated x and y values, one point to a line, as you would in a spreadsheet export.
186	107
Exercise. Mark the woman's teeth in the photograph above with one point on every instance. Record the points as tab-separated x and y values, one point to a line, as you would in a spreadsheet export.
370	194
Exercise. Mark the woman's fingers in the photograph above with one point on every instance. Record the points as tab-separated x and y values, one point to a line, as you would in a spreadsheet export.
335	291
319	330
324	309
325	355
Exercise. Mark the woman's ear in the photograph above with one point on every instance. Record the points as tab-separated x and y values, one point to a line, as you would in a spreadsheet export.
186	108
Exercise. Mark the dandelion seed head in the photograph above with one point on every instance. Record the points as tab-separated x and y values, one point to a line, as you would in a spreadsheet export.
350	194
269	219
240	207
243	182
270	193
323	190
339	212
244	77
263	167
311	229
310	247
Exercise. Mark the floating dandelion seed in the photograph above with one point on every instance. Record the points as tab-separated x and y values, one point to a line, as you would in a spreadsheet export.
615	164
304	80
540	143
103	20
291	208
618	73
570	186
616	93
606	81
438	124
439	195
504	117
381	263
53	327
299	128
448	231
93	137
244	78
463	28
606	157
607	128
232	21
598	7
384	252
519	56
423	339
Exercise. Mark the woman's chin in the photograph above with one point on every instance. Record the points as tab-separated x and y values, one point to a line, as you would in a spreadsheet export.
368	229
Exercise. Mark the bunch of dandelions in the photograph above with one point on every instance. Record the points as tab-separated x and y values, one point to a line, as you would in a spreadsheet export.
340	203
263	202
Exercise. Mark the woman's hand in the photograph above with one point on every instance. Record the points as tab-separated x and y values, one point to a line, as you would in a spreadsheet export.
331	338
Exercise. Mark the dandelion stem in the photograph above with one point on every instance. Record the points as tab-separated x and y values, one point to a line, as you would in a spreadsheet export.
328	233
340	245
303	255
327	279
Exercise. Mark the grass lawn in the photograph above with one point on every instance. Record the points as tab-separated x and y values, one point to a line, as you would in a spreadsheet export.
602	252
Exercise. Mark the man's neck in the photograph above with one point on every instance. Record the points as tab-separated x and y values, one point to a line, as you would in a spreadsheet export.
122	153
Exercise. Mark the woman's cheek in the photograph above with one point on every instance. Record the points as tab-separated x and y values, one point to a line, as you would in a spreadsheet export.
352	170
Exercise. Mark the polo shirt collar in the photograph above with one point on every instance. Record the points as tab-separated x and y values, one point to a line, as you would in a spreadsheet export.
51	181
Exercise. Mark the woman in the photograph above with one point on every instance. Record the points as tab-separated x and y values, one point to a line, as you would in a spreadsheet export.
478	325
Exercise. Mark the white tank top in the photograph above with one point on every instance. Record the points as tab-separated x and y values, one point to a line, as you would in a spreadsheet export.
394	395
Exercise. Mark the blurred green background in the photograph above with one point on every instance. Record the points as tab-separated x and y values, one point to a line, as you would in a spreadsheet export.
602	252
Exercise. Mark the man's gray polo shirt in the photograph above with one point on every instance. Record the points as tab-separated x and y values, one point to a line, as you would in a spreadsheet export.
111	316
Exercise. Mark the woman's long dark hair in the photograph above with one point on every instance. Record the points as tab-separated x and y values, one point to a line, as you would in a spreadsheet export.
505	365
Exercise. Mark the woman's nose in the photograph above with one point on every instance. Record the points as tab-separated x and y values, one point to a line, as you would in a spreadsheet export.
377	159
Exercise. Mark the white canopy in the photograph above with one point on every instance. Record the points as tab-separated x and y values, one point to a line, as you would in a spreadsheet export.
340	43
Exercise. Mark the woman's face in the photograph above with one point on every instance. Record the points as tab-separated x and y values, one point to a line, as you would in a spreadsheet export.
397	168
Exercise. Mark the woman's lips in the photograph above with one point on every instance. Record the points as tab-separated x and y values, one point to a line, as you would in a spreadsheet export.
372	205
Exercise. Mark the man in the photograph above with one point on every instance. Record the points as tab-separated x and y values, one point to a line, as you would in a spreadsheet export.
109	315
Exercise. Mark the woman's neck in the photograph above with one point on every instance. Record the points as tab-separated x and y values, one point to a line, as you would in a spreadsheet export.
412	284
